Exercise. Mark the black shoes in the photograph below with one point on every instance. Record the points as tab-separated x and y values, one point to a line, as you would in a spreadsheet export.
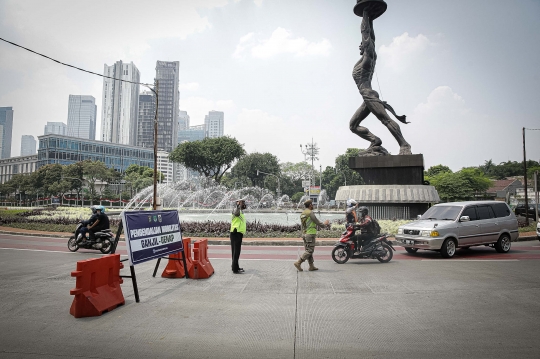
239	271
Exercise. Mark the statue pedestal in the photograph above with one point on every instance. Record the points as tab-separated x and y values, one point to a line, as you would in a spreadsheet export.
389	170
394	186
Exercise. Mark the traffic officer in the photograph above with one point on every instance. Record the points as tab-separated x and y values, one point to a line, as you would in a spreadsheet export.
309	233
238	229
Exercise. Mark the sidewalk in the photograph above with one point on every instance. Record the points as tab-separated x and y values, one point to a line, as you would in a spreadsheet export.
528	236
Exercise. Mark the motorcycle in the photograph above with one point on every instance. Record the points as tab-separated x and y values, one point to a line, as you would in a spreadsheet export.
378	248
104	240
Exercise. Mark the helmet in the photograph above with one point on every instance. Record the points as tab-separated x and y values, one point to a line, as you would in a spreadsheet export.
98	208
93	209
351	203
363	210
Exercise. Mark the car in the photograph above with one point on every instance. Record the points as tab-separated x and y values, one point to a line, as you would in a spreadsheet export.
448	226
538	230
520	210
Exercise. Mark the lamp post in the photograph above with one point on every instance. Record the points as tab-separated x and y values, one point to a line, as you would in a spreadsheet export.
278	186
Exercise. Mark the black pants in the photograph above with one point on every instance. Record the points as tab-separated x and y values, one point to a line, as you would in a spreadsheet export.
92	232
362	239
236	247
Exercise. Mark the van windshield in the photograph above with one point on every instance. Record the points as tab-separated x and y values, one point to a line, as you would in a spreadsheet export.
449	213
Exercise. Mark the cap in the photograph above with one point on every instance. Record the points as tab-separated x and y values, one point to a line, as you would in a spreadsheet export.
308	202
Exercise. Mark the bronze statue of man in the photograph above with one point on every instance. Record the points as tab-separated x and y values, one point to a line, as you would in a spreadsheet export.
362	74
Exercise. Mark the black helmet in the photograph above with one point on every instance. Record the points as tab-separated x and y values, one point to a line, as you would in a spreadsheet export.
363	210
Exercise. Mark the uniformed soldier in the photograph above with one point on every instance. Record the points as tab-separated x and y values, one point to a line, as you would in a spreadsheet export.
309	233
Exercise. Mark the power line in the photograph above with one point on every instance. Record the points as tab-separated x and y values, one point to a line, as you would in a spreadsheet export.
75	67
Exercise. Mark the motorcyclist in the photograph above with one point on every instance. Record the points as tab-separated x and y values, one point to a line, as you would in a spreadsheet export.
365	225
101	223
350	213
81	237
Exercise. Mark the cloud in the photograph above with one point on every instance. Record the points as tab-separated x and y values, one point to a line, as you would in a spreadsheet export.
403	51
281	42
442	100
198	107
191	86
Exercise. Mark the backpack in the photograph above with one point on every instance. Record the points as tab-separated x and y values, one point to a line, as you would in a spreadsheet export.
376	227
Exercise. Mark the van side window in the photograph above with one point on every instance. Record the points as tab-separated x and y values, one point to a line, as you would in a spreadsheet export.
471	212
485	212
501	210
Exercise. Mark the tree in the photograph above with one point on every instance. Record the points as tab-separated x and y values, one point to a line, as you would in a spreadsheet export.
435	170
451	186
140	177
247	167
211	157
97	171
296	171
476	179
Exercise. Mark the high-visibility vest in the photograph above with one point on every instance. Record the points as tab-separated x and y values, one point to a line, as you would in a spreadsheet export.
238	222
308	226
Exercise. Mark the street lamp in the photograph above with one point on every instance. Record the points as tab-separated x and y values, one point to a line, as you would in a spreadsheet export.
278	186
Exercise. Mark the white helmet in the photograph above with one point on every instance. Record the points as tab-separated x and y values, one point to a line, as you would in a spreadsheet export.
351	202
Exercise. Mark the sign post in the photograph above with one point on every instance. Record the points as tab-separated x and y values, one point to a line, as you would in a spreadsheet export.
150	235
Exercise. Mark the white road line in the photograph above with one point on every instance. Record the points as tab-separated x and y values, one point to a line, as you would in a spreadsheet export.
469	260
37	250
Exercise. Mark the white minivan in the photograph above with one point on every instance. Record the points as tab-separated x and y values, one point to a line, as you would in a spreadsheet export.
447	226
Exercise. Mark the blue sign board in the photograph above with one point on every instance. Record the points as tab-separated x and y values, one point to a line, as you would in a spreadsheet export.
151	234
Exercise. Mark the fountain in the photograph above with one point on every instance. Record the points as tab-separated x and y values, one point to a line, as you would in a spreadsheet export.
203	199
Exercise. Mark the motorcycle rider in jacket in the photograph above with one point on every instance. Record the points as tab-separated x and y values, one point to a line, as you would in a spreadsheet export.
365	225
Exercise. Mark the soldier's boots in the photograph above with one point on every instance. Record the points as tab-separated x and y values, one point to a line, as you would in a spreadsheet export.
298	264
312	267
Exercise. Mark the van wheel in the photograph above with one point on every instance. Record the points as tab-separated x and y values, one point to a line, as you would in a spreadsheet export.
411	250
503	244
448	248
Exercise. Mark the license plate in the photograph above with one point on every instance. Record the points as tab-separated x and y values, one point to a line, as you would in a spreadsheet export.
409	242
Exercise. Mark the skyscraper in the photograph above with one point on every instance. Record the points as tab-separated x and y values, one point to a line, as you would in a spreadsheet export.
28	145
145	120
213	123
82	112
6	128
57	128
168	77
183	120
120	104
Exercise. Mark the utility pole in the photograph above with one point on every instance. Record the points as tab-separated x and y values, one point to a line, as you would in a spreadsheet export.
310	151
154	204
525	180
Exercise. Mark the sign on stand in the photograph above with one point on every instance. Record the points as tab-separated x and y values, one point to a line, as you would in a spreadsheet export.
151	234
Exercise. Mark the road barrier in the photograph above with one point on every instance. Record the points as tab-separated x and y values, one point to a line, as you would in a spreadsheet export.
202	268
97	286
175	266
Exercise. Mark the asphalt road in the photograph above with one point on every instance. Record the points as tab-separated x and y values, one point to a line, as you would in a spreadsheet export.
480	304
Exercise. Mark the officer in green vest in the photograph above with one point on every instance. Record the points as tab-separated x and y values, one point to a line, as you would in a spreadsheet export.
238	229
309	234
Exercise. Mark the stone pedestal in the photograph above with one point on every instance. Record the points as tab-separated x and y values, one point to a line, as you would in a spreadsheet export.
394	189
390	170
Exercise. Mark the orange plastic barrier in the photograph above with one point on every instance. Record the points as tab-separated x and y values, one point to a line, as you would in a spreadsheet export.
175	268
97	286
201	265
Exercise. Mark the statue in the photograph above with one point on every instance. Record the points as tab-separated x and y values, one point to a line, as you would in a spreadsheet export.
362	74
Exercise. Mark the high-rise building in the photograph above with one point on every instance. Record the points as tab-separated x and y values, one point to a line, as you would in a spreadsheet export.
168	77
28	145
213	123
120	104
6	129
145	121
57	128
193	133
165	167
183	121
82	112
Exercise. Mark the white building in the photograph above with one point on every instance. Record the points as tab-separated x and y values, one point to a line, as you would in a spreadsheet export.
120	104
183	120
56	128
82	113
213	123
28	145
16	165
165	166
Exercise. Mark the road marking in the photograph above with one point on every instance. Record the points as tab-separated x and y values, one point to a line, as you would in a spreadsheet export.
470	260
36	250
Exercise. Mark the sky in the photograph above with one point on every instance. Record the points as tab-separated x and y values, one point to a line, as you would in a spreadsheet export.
465	72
